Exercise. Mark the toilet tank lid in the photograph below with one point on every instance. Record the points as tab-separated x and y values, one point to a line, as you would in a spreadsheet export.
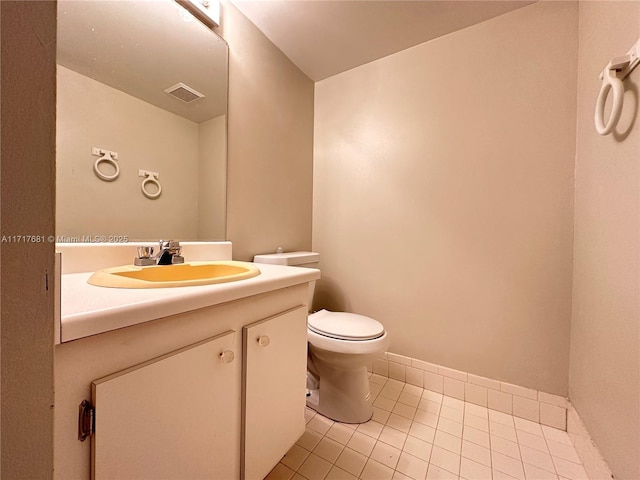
289	258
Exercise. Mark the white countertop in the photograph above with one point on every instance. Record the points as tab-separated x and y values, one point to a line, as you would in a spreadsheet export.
89	310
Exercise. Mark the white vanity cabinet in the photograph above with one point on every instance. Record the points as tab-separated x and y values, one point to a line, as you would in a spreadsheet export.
179	407
272	423
168	405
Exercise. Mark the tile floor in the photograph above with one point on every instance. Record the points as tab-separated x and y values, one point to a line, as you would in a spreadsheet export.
419	434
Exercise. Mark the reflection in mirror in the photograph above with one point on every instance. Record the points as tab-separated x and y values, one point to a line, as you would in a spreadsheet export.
143	83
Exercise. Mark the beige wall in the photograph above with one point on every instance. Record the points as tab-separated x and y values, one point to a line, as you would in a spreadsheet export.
212	178
604	374
270	121
90	114
28	33
443	191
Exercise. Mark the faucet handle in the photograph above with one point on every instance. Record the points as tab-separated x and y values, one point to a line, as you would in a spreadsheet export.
145	252
171	244
145	257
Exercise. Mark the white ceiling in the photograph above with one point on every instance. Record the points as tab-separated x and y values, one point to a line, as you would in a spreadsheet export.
326	37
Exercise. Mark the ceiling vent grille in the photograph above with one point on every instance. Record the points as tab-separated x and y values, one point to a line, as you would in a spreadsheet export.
184	93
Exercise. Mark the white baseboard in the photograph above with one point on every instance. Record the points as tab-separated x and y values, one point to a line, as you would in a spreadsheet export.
533	405
593	462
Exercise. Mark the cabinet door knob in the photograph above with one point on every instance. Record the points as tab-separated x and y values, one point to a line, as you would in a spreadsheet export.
227	356
263	340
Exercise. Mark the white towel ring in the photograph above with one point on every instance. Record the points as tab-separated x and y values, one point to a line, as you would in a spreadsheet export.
151	179
610	81
106	158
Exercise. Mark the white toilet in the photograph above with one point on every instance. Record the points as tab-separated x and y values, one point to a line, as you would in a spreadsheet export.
340	346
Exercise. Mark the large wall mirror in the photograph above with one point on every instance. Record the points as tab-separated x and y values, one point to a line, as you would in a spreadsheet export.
147	81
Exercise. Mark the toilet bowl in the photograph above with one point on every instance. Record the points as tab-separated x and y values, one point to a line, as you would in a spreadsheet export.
340	346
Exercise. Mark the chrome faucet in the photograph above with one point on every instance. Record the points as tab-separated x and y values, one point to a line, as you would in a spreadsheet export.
169	253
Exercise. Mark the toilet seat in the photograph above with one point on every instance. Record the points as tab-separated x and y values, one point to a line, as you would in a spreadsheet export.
352	346
345	326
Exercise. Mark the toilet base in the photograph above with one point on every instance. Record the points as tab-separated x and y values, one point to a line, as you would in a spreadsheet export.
343	396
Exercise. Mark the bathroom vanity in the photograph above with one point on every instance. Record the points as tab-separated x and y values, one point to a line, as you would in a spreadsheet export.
186	382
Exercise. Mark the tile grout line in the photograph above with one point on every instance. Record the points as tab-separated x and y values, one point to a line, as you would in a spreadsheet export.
462	433
555	469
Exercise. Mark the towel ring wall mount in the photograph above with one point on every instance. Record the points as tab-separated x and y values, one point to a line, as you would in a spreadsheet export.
612	77
150	178
105	157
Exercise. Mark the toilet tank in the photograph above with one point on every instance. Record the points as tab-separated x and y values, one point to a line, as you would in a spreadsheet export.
293	259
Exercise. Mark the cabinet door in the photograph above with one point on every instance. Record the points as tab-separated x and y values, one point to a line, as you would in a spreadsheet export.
174	417
275	365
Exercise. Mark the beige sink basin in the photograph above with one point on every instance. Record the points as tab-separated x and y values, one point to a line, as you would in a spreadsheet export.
181	275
